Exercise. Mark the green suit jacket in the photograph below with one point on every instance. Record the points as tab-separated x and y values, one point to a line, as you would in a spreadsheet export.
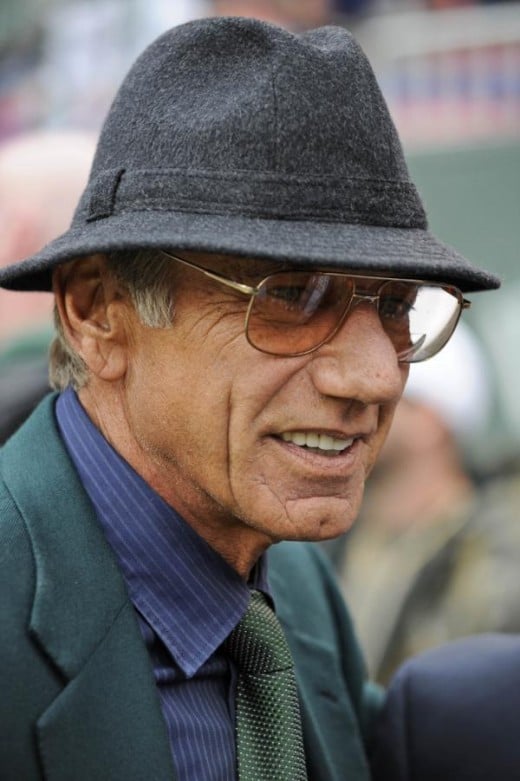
77	697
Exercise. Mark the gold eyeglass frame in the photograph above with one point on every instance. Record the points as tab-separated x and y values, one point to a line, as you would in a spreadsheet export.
253	290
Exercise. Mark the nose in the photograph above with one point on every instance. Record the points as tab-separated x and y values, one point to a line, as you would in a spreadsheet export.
359	362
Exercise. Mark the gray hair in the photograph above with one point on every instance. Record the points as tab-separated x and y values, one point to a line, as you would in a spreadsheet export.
147	277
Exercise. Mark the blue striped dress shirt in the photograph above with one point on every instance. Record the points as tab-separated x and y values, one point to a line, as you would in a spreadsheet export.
187	598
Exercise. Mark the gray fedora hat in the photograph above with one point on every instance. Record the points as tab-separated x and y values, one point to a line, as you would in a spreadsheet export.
234	136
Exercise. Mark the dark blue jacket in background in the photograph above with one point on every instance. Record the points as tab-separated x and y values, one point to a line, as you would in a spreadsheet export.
453	714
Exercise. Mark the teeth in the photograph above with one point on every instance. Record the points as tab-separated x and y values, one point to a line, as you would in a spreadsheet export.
313	440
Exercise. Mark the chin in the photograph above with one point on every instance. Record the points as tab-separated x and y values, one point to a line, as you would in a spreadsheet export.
314	520
300	518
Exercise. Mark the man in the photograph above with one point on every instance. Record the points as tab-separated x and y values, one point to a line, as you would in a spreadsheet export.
231	347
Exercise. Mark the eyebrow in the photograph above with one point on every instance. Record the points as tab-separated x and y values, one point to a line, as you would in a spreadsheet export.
240	269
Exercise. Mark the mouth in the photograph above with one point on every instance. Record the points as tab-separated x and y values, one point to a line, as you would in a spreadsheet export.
320	443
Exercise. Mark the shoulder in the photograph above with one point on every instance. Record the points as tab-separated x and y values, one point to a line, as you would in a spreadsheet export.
476	663
22	461
319	626
24	680
24	482
450	713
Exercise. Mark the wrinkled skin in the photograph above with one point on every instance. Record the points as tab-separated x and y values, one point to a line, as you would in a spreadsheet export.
199	413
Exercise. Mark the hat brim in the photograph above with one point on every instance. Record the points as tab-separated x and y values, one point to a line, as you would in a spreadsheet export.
406	252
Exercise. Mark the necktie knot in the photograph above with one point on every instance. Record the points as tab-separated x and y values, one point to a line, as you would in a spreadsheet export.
257	645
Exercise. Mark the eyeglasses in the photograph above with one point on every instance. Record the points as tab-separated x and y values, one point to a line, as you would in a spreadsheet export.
294	312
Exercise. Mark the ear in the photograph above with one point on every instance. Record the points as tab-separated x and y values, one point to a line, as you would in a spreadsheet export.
94	315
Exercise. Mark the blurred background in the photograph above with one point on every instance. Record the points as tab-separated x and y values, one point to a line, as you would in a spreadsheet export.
438	533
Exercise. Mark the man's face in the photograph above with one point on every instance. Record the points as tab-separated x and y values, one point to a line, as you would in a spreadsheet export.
263	446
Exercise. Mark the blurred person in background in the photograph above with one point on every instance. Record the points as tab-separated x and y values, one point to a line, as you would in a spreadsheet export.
435	553
42	174
452	711
294	14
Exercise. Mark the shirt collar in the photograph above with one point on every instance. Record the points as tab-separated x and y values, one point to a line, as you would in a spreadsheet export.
185	590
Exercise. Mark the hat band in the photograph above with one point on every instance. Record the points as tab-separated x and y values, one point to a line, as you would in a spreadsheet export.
253	194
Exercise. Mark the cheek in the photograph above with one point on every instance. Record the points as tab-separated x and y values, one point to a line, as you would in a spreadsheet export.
385	421
261	390
386	416
186	407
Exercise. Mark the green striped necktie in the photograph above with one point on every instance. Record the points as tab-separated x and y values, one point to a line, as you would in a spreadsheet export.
268	724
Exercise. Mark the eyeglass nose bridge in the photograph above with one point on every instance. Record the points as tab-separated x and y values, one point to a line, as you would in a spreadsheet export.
360	298
356	299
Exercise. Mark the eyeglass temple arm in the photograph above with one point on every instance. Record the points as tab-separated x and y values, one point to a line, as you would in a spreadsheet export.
239	286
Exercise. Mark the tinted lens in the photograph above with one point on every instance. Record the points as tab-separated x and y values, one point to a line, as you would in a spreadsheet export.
293	312
419	318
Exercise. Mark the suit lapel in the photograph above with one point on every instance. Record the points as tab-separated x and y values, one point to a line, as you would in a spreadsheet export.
106	723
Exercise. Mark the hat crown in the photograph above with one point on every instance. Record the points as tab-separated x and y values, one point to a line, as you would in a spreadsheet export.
239	94
237	116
